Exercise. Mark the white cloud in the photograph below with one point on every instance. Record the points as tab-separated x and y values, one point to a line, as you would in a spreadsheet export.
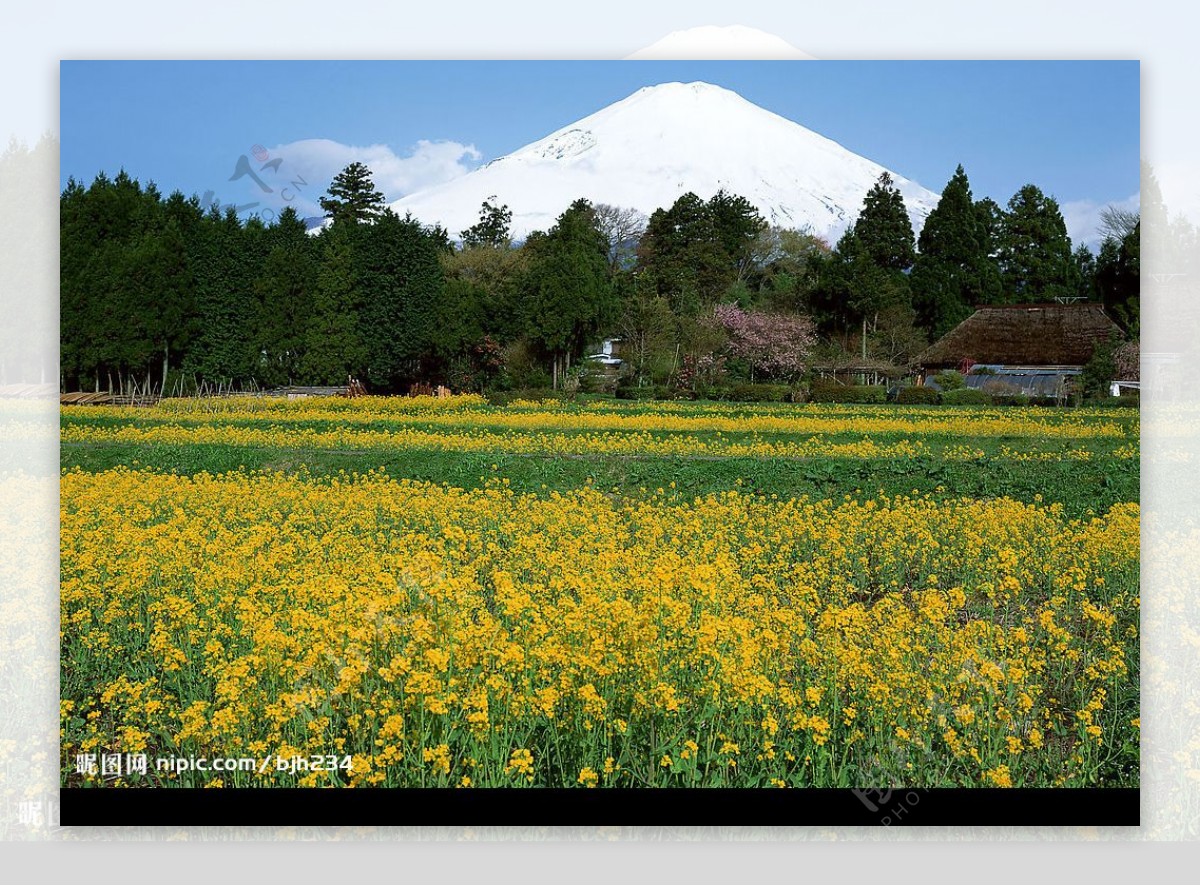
1083	218
316	161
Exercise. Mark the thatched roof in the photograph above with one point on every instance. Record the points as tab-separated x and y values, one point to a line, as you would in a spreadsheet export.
1024	335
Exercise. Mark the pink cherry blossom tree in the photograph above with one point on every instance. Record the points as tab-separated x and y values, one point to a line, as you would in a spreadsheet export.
775	345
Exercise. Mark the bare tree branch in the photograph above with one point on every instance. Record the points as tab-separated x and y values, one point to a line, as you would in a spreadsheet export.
1118	223
622	227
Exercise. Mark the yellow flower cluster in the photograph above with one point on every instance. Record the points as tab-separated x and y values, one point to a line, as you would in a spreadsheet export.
447	637
352	439
471	412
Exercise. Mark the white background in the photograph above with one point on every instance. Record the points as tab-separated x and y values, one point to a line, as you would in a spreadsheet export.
36	37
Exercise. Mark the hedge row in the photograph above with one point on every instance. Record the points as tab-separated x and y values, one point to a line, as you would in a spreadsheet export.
966	397
848	394
919	395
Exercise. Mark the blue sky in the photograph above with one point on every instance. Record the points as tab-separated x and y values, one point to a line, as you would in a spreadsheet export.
1072	128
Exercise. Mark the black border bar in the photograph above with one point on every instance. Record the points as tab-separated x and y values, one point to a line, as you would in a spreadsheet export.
354	807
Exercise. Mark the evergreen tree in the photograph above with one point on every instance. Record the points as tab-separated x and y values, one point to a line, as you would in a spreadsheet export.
227	258
866	277
160	290
494	227
679	254
76	248
284	302
441	239
849	286
1085	272
333	345
352	196
1035	251
460	320
991	216
571	293
953	271
696	250
400	283
126	280
736	225
1101	369
884	228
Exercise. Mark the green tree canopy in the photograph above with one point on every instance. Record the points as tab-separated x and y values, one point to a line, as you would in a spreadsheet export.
494	227
1034	249
1118	278
333	345
568	285
352	196
696	250
284	288
400	283
884	228
953	271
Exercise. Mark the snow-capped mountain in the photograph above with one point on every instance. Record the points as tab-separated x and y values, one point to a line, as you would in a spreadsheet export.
646	150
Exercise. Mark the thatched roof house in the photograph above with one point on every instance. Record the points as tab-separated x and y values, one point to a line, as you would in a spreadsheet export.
1040	335
1034	350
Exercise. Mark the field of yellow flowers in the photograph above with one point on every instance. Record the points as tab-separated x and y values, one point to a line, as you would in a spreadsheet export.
418	632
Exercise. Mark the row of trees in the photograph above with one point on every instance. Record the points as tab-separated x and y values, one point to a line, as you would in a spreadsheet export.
971	253
152	287
155	287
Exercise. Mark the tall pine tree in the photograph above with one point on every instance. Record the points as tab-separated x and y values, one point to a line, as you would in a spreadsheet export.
1035	251
953	271
569	283
865	278
333	344
884	228
352	196
400	281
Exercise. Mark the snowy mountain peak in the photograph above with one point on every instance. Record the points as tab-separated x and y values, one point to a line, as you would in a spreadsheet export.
675	87
649	148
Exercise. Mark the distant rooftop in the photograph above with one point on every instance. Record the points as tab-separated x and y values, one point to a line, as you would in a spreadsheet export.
1049	334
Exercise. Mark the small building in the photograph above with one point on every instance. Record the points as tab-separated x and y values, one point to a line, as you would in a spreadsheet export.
861	371
303	392
1033	349
606	353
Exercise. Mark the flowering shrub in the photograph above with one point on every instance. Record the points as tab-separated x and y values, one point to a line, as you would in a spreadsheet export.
775	345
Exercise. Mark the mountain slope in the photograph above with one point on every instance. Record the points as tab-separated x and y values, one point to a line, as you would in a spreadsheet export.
648	149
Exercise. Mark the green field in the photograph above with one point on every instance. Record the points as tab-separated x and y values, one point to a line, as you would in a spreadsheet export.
599	593
999	465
